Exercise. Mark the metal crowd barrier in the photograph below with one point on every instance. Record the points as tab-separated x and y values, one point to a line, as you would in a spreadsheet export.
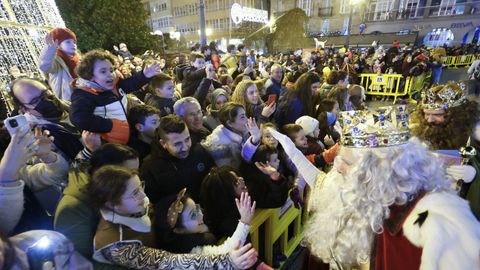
277	226
387	85
460	60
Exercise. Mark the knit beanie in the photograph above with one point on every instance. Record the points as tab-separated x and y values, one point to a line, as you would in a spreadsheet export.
308	124
331	117
62	34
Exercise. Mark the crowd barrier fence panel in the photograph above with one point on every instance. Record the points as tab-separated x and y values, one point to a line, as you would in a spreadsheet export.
387	85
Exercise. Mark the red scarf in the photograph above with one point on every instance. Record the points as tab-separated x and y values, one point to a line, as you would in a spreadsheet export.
71	61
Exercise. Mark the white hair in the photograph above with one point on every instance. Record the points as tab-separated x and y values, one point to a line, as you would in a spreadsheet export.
180	105
351	208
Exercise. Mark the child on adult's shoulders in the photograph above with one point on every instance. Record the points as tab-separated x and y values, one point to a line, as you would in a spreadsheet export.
99	100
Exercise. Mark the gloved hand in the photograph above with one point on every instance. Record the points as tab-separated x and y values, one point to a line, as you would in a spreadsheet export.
330	154
119	133
465	172
296	197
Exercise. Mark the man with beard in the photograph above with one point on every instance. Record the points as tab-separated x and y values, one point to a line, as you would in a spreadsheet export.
386	202
446	119
42	108
174	162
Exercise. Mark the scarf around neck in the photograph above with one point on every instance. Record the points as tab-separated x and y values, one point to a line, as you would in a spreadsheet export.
71	61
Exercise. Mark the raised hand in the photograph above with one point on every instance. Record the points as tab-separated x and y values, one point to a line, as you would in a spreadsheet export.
152	70
254	130
269	109
268	170
50	42
245	207
19	150
92	141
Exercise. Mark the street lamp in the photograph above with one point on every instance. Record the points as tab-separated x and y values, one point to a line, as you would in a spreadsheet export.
352	6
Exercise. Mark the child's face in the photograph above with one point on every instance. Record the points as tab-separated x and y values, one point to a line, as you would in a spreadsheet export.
274	161
268	139
192	218
69	46
102	73
301	139
336	109
198	63
133	199
149	126
166	91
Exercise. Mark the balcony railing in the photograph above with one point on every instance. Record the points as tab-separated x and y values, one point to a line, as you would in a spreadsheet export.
325	11
425	12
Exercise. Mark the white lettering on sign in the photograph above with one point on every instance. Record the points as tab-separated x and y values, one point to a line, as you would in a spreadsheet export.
239	14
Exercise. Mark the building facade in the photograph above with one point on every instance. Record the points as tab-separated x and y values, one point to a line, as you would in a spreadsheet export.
182	18
437	21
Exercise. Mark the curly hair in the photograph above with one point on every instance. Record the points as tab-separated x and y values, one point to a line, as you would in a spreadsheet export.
239	96
377	179
459	124
86	65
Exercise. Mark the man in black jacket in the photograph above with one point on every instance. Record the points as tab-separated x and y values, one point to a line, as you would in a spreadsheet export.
173	163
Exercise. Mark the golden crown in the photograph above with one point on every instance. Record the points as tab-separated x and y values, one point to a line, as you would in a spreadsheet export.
383	127
442	97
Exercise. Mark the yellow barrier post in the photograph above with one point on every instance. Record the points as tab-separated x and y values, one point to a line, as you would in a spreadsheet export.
261	216
276	228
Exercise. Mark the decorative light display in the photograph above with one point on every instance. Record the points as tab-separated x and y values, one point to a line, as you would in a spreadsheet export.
23	26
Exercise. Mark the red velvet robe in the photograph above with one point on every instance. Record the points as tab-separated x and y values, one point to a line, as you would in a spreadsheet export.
393	251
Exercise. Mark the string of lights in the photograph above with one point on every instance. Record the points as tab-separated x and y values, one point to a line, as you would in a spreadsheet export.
23	26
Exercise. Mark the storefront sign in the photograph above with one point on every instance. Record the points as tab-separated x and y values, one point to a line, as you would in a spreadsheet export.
239	14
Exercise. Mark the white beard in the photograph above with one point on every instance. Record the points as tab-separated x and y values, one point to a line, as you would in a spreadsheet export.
335	223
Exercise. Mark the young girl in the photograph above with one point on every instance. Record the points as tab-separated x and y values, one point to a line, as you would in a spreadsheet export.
99	101
246	93
59	60
230	141
311	128
267	186
124	235
218	192
180	227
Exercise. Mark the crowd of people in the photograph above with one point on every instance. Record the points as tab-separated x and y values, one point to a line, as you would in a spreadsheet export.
142	163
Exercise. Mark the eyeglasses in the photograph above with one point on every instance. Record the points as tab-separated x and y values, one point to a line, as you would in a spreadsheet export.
138	194
36	100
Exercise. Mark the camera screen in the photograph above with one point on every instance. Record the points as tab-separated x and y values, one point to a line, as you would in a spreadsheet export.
13	123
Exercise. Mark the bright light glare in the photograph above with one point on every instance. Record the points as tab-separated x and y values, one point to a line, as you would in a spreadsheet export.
43	243
271	23
208	31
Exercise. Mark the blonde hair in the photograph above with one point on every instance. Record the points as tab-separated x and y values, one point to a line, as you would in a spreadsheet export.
239	95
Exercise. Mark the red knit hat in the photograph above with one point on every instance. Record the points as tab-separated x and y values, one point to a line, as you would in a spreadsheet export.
62	34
